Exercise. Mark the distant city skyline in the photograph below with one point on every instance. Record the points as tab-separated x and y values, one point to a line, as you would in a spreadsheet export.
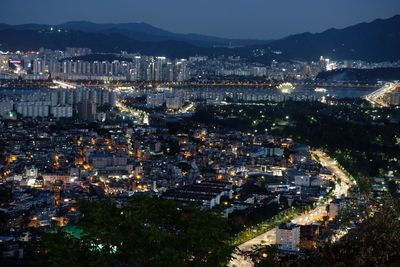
254	19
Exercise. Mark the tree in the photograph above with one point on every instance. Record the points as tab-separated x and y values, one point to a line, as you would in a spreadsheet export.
374	243
147	232
392	188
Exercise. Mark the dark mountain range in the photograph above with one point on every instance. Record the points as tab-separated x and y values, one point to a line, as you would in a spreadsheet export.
11	40
141	32
375	41
146	32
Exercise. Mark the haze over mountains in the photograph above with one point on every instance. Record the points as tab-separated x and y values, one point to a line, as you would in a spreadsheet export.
139	31
378	40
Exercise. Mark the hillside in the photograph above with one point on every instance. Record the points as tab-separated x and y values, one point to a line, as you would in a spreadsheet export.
376	41
140	31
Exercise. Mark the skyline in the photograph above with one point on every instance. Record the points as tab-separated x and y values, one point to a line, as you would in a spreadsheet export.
245	133
232	22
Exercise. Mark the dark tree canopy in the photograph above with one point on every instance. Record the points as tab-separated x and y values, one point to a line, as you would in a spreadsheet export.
374	243
147	232
360	137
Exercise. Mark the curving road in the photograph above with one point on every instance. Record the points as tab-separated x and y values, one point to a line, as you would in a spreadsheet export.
269	238
377	97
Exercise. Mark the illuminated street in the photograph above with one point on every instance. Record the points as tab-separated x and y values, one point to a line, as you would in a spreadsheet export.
140	116
378	97
220	133
269	238
66	85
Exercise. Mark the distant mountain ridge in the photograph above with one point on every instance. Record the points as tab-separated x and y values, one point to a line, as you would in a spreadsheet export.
140	31
378	40
24	40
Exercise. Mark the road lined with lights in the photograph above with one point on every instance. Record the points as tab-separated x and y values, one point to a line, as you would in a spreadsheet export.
66	85
141	116
376	97
269	237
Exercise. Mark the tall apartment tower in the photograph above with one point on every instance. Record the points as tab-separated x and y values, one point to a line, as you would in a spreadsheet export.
288	236
87	110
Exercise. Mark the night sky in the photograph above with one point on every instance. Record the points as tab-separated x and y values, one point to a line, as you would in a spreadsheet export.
260	19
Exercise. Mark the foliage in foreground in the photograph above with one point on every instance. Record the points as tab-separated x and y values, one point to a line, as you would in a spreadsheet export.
374	243
147	232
